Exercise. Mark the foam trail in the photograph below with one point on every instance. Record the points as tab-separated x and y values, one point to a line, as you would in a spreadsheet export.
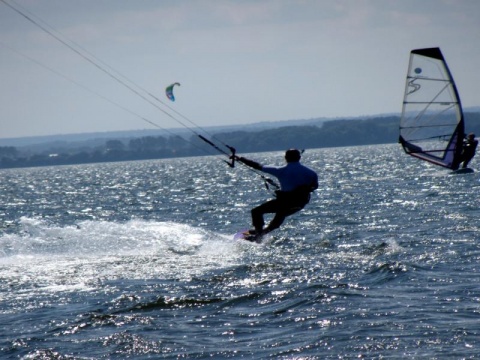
53	258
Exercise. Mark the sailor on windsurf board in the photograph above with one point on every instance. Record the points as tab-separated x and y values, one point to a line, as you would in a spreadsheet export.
469	148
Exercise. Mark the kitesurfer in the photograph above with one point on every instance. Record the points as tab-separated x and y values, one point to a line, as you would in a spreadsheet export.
296	183
469	149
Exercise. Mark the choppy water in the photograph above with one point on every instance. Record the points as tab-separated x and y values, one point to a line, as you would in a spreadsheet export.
110	261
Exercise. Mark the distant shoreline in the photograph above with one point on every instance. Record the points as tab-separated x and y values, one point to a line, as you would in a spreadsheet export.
315	133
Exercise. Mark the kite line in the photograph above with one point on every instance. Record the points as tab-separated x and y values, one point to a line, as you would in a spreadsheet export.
214	142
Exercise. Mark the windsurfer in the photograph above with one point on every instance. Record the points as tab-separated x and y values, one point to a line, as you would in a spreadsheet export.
296	183
469	149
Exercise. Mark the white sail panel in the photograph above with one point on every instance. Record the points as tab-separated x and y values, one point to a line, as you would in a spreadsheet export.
431	126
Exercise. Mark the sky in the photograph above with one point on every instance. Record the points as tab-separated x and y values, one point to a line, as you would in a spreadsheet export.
238	61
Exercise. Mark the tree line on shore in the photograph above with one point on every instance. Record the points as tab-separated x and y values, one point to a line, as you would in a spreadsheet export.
335	133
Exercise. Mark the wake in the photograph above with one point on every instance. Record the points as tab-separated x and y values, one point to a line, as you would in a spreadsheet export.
46	257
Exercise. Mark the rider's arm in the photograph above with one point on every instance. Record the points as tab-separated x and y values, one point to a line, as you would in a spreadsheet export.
251	163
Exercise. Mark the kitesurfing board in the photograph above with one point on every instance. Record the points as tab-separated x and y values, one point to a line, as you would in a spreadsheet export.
240	235
243	234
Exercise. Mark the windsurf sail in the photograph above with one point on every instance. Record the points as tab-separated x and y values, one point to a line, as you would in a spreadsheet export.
432	123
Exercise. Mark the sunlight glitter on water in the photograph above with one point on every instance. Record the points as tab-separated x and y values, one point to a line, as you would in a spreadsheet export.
46	258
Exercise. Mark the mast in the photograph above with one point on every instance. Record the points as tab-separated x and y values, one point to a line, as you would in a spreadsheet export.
432	122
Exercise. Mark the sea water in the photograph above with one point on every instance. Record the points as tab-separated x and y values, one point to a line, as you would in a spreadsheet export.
136	260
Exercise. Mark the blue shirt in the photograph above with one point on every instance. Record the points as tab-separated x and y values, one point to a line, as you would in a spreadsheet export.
293	175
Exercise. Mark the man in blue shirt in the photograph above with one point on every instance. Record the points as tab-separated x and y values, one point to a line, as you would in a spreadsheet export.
296	183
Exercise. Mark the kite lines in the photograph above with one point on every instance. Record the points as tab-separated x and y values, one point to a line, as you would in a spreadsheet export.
118	77
134	88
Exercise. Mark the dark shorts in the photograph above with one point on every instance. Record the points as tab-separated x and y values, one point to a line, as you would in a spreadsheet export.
285	204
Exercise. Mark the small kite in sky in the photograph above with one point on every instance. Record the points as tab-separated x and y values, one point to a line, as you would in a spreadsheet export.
169	91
